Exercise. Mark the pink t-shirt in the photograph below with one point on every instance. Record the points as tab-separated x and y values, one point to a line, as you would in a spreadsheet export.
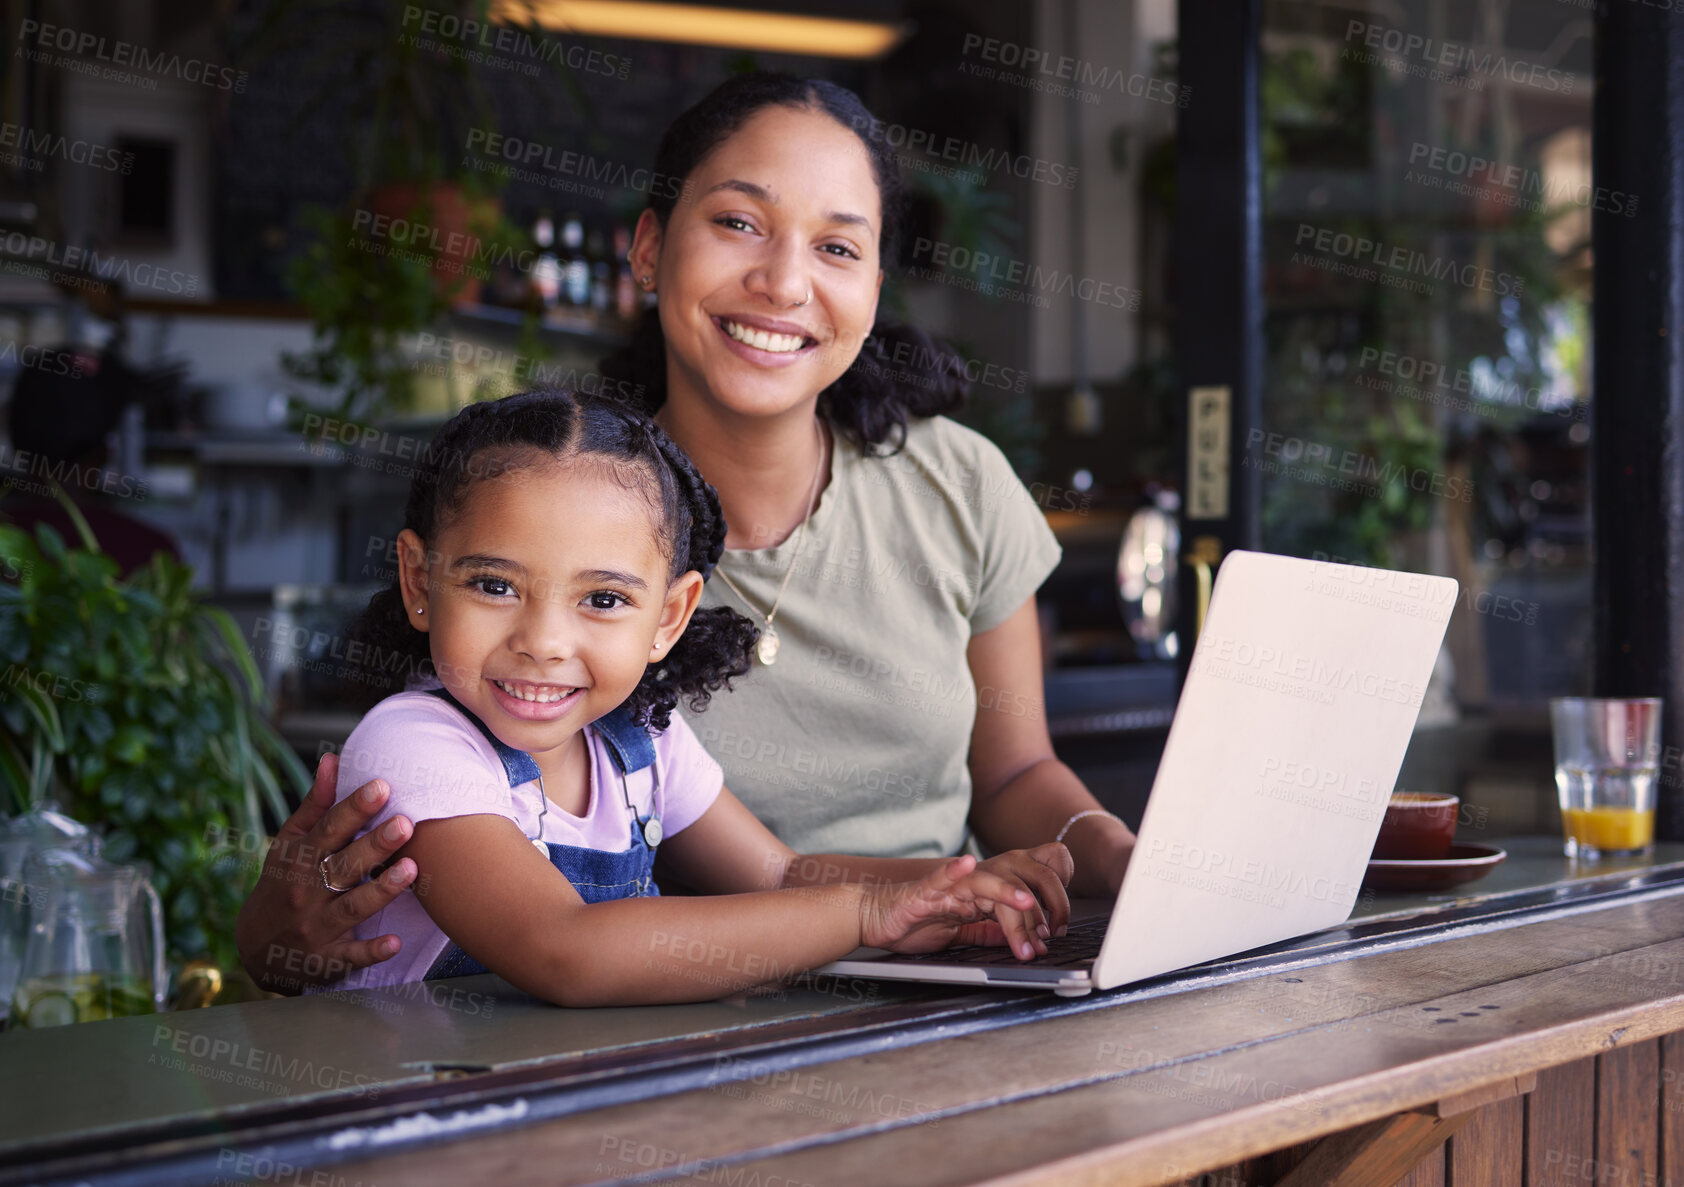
438	764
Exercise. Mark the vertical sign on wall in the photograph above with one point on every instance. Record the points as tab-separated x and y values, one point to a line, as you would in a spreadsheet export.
1207	452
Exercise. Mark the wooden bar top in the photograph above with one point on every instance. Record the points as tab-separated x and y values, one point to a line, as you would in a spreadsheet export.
860	1081
1147	1091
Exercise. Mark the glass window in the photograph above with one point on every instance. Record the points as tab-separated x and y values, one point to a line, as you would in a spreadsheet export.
1427	277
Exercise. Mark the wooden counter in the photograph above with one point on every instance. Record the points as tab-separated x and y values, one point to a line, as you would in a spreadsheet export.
1543	1040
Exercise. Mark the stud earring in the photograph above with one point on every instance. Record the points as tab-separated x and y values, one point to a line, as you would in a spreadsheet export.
646	280
420	609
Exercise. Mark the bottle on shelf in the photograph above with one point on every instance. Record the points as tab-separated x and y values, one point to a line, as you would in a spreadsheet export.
577	283
546	270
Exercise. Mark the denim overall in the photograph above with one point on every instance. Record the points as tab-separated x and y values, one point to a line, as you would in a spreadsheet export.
596	875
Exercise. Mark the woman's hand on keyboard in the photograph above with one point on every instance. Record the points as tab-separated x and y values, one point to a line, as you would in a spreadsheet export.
1045	871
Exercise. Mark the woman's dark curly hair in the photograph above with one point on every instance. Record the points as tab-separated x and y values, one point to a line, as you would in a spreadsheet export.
501	436
901	371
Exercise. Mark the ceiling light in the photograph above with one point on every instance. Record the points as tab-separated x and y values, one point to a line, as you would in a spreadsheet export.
734	28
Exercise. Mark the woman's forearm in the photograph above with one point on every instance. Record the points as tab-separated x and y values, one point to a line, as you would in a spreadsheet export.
1036	804
651	951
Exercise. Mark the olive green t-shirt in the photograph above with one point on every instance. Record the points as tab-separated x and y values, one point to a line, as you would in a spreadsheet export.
856	739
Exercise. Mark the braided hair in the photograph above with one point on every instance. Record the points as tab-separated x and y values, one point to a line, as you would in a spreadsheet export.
902	371
518	431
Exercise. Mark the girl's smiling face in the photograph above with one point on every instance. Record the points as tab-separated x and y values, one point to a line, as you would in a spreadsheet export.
785	206
546	595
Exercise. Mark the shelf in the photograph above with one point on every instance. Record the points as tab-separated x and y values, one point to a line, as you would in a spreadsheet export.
502	320
260	447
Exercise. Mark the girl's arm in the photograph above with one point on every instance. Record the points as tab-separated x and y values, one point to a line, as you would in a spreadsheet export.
1021	794
729	851
494	894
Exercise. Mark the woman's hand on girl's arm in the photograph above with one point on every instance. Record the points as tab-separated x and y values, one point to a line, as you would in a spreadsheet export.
1021	794
292	931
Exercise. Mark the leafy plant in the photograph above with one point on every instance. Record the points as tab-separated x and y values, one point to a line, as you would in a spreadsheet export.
364	304
404	88
139	708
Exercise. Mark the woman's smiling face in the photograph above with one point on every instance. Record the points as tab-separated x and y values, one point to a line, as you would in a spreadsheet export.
786	206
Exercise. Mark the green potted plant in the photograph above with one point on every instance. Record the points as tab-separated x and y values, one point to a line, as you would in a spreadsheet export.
138	707
411	98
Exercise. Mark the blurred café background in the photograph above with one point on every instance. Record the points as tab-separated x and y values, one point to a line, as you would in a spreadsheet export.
254	252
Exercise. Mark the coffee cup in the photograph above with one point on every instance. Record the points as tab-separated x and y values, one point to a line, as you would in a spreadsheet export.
1418	826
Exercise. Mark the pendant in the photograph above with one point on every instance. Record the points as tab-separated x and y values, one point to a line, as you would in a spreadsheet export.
542	848
652	831
767	648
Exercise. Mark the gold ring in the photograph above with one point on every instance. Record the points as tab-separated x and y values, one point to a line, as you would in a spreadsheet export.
327	882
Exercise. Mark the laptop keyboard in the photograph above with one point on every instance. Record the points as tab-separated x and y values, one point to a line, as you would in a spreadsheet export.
1079	945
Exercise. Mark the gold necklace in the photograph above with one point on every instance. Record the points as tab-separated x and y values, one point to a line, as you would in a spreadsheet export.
767	649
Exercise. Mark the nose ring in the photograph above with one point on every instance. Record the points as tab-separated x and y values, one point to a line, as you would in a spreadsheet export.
805	299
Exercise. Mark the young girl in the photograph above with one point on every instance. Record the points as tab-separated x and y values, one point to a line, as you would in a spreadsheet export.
550	568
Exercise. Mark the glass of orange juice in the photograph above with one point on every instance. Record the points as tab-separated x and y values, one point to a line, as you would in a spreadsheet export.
1607	759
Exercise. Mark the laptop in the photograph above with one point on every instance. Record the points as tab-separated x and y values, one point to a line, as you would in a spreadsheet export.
1299	702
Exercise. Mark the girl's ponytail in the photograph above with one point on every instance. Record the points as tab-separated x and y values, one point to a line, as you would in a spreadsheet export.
715	647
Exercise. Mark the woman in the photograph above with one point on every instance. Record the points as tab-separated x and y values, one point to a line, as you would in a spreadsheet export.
889	556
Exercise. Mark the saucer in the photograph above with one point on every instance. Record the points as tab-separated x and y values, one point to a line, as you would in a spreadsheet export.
1464	863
